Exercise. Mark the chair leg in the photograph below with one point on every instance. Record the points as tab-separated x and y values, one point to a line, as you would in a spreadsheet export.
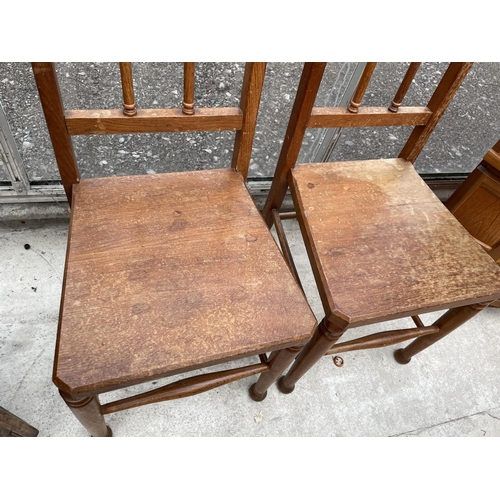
325	336
88	412
448	322
278	361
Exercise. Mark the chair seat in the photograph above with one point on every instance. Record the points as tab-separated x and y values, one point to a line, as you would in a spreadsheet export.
382	244
167	273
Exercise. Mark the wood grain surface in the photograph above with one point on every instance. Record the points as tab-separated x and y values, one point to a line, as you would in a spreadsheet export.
113	121
369	116
169	273
383	246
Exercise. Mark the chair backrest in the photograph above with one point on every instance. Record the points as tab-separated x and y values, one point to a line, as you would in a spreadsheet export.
304	115
63	124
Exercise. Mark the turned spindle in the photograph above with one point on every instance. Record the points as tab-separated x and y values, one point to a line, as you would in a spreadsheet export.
188	102
361	88
129	106
405	85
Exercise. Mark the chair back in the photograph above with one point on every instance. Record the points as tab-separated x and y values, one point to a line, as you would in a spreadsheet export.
63	124
304	115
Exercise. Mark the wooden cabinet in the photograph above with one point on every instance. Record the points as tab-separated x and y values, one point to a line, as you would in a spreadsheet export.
476	203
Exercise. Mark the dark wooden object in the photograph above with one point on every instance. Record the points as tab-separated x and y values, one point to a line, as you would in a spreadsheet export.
169	273
12	426
381	244
476	204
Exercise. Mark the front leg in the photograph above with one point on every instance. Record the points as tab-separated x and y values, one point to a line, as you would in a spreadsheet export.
88	412
325	336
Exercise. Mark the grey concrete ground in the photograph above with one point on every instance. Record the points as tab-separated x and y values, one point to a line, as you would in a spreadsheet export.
452	389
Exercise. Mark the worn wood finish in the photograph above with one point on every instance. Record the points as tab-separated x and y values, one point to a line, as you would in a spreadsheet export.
368	117
403	88
161	292
253	80
129	106
375	227
185	388
297	125
355	102
380	243
188	102
12	426
444	93
112	121
50	96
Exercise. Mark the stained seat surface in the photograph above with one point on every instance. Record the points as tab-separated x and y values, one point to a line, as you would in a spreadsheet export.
383	244
166	273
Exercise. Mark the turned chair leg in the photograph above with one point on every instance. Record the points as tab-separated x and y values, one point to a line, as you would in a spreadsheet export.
325	336
448	322
88	412
278	361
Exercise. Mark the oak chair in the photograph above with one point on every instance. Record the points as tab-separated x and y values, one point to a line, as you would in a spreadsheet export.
381	244
476	204
171	272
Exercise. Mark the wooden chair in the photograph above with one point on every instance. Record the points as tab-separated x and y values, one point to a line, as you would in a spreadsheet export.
476	204
171	272
381	244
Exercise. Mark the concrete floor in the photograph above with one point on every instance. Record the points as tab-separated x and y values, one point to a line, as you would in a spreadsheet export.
452	389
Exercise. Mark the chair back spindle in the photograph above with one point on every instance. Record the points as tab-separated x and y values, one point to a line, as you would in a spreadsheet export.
304	115
405	85
188	102
64	124
129	106
361	87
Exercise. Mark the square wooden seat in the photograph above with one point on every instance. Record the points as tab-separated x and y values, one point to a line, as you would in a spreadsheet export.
168	273
383	244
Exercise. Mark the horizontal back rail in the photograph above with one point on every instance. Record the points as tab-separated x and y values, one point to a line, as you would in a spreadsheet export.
113	121
304	115
63	124
368	117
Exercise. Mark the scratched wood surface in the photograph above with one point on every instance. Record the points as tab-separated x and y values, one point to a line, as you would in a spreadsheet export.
382	245
183	275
